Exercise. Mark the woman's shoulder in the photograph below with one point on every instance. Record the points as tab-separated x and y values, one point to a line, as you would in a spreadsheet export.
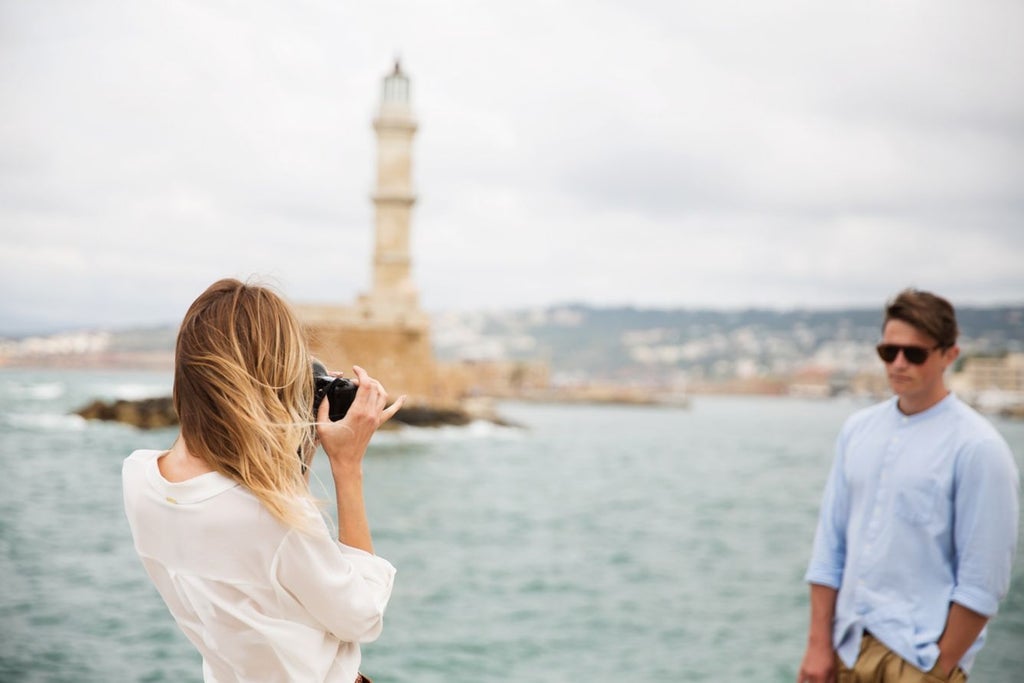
142	455
136	464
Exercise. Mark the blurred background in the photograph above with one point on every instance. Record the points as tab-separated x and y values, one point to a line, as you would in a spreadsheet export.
654	237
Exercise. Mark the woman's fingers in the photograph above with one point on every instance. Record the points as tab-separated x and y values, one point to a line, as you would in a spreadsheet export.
392	409
375	392
371	399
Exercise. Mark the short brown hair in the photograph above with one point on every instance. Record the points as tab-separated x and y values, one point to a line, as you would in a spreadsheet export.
926	312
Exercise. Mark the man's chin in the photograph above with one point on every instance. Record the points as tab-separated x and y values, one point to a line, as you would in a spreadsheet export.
900	385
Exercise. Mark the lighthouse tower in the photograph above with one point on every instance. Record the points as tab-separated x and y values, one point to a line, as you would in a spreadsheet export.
393	295
385	331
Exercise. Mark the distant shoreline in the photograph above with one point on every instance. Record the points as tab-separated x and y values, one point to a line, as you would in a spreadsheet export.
163	361
105	360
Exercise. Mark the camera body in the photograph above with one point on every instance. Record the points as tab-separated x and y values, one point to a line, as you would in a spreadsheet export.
338	391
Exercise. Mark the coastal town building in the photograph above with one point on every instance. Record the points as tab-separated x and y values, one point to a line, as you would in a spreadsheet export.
991	383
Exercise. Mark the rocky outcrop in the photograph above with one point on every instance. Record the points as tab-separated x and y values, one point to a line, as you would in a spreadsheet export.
147	413
1014	412
158	413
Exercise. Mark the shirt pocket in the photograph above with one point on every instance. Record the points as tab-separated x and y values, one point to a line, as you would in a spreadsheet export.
916	503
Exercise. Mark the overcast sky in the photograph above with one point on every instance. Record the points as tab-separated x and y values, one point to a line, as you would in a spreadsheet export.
675	153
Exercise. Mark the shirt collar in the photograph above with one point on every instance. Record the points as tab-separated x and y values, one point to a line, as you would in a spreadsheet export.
941	407
194	490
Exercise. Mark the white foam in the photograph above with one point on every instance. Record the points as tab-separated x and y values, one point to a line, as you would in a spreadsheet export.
481	430
45	391
136	391
46	422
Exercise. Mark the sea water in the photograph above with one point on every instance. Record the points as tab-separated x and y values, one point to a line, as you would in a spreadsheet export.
593	543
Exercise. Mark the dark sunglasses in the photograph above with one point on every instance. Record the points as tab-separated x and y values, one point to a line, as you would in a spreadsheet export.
914	354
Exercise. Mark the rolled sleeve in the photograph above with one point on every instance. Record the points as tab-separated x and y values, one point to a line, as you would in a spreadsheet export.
829	551
985	530
345	589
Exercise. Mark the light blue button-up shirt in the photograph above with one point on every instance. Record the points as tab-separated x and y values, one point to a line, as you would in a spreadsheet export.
919	511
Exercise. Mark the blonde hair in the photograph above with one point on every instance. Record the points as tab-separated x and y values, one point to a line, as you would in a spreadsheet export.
243	389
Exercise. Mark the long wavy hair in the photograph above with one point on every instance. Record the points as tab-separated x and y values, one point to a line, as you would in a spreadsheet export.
243	389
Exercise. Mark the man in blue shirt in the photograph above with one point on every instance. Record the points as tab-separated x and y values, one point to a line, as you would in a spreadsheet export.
918	523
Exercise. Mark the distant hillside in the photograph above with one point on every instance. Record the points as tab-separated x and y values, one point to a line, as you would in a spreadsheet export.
642	345
144	339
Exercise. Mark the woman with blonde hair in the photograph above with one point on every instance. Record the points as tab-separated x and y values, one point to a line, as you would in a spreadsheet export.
224	521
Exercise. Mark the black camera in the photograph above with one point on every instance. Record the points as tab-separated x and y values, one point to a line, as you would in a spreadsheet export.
338	391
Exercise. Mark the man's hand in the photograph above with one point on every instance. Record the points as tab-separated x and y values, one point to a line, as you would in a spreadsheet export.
819	665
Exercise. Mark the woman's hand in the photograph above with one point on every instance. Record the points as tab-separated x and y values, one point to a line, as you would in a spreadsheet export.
345	441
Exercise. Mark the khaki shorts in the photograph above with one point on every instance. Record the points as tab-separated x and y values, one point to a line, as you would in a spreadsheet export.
878	664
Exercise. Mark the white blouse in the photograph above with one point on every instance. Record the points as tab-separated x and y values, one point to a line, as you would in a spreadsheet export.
261	601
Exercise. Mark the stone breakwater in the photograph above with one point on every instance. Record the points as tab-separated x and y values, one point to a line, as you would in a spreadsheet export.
147	413
159	413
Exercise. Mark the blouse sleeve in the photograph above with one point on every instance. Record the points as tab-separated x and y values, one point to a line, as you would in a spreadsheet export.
343	588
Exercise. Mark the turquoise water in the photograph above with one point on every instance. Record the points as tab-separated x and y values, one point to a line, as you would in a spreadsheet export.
596	544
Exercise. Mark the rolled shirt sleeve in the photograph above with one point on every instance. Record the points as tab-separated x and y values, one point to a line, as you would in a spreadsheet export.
346	590
985	527
829	551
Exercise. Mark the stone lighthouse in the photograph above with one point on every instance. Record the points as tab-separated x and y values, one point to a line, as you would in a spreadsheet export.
385	331
393	295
